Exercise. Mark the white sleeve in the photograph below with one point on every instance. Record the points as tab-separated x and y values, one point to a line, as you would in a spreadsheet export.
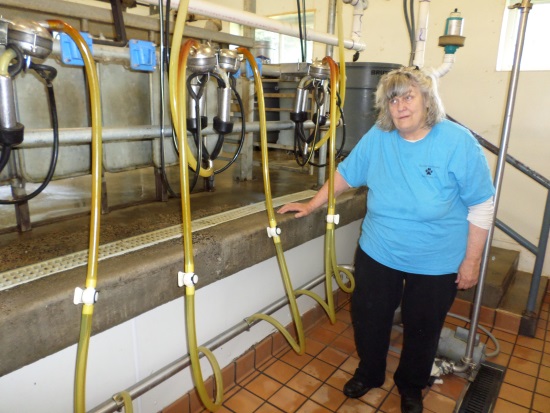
481	215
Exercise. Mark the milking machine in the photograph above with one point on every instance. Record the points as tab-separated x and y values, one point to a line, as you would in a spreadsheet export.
25	41
326	77
205	64
316	84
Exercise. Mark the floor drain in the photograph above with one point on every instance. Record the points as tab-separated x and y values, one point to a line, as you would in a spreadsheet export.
483	391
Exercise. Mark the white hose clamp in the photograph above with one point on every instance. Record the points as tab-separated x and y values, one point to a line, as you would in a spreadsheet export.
188	279
87	296
333	219
273	231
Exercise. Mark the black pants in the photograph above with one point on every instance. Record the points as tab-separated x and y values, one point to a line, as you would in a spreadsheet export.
425	301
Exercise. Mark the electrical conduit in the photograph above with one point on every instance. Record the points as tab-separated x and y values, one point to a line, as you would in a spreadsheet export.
273	231
93	251
421	33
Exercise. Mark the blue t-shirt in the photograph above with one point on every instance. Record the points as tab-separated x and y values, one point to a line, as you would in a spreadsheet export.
418	197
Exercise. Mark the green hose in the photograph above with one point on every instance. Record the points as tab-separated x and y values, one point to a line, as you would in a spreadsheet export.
177	76
297	345
93	245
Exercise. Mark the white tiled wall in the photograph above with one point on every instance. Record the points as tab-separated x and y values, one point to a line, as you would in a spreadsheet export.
131	351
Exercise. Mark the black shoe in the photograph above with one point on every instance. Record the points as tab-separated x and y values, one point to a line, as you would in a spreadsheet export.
411	404
356	387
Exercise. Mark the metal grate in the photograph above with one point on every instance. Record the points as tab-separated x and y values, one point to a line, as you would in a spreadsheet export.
483	391
10	279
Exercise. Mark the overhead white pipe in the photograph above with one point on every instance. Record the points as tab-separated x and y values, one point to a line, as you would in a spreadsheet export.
421	35
448	62
224	13
359	7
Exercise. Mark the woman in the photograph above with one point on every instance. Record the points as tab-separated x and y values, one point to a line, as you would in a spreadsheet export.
430	205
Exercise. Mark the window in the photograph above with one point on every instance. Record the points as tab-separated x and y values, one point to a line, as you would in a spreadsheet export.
535	54
280	48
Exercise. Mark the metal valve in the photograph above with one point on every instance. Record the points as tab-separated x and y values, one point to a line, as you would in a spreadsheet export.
319	71
202	59
228	60
33	39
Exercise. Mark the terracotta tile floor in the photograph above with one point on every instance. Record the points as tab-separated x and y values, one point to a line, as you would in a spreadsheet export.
272	378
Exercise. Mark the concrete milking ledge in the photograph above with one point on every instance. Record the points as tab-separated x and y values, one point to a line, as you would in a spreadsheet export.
39	318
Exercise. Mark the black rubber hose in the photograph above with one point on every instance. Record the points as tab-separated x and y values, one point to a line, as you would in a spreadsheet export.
197	136
298	150
4	156
206	156
304	22
16	68
243	133
217	148
300	31
163	63
299	156
48	74
341	149
408	23
166	56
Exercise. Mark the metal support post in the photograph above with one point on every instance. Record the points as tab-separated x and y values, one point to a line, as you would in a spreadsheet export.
524	7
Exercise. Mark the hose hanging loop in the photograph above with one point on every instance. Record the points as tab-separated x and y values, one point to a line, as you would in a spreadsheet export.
187	279
85	296
273	232
333	218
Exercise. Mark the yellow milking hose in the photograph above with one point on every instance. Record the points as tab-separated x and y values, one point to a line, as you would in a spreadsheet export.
189	267
342	77
93	250
330	249
174	82
5	60
299	345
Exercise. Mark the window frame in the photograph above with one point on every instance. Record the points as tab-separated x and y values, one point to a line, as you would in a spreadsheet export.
536	35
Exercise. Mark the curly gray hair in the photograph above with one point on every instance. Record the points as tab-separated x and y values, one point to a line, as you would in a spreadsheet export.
397	83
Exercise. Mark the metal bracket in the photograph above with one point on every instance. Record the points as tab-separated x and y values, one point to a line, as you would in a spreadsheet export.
70	55
143	56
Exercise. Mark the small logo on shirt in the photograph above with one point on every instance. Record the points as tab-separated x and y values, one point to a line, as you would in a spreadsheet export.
429	171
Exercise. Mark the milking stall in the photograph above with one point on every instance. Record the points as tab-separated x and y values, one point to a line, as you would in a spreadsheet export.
147	148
